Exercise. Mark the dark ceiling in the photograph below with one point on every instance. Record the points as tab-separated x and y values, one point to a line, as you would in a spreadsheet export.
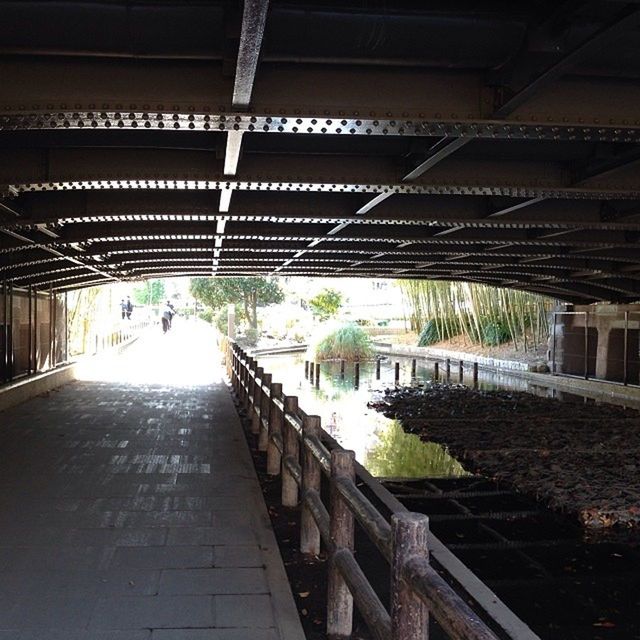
494	142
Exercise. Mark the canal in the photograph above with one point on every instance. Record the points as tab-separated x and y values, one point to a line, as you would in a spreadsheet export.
566	582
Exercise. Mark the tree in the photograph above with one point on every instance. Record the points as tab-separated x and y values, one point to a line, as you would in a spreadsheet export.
250	293
326	303
150	292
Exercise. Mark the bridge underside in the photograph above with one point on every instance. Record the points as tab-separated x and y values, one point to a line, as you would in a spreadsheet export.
482	142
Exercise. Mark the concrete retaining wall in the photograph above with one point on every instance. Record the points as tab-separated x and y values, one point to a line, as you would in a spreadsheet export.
443	354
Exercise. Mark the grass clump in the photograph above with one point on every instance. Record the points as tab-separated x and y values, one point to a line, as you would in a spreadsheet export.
347	342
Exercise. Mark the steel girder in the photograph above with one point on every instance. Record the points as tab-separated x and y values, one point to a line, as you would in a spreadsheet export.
517	168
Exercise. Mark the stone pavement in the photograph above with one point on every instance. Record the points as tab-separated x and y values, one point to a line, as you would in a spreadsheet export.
129	509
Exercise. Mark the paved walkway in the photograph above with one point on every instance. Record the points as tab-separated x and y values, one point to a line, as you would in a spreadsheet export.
129	508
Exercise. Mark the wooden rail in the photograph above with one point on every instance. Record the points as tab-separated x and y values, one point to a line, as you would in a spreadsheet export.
295	447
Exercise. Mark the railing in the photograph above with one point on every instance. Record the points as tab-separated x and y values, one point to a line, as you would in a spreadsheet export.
293	442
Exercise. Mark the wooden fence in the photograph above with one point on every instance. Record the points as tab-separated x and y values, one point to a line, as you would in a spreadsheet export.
293	443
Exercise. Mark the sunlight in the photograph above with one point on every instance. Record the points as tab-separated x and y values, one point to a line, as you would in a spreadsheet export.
186	355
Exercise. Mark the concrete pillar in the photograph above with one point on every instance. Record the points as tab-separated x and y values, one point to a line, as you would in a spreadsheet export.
231	321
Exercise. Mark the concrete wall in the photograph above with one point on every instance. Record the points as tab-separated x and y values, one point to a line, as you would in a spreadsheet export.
612	342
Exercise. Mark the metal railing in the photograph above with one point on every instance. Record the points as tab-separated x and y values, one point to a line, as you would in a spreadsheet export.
293	443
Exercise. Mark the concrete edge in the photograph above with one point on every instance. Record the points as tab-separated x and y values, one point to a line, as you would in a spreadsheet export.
595	389
32	386
284	608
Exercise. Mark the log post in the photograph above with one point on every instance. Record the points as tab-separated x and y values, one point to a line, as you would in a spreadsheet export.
413	369
356	376
378	369
311	475
448	368
275	427
409	615
397	373
461	372
291	447
339	598
265	408
475	374
257	400
306	368
317	375
342	369
250	366
436	371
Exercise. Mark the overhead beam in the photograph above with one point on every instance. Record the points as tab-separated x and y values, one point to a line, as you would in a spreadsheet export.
254	19
158	122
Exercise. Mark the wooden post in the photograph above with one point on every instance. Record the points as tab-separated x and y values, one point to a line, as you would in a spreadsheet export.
311	474
275	427
436	371
356	376
339	598
342	369
448	367
397	373
317	375
250	365
257	400
475	374
409	615
378	369
291	448
265	408
306	368
413	369
311	370
461	371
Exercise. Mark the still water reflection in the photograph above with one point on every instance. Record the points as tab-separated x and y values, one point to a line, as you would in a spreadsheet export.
380	444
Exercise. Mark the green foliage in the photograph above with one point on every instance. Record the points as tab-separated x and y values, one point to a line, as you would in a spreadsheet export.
326	304
348	342
206	315
429	334
249	293
483	314
400	454
150	292
495	333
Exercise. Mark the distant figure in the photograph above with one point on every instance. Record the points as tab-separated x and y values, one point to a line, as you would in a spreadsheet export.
173	312
167	314
123	308
129	308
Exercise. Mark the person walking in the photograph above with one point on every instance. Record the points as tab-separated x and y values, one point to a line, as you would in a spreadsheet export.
167	314
123	308
129	308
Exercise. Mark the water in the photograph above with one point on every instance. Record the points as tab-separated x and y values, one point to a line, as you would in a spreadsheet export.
380	443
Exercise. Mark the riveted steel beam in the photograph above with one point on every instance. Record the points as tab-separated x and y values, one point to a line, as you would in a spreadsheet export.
159	121
522	190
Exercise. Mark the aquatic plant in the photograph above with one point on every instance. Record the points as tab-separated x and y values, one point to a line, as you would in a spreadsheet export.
346	342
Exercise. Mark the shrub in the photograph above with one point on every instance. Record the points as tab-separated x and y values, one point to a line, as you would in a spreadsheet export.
206	315
495	333
429	334
348	342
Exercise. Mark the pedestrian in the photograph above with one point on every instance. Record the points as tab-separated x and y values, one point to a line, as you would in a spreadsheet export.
167	314
173	312
123	308
129	308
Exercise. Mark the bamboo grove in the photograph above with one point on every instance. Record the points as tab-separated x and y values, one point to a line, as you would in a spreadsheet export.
482	314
